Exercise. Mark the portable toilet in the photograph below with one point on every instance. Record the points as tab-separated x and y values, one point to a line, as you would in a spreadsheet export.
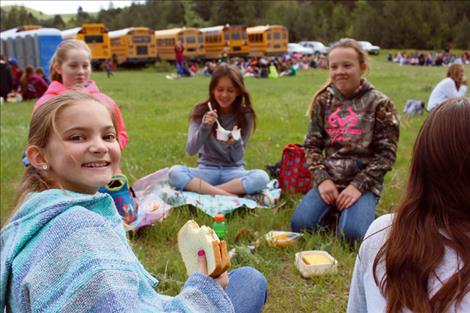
34	47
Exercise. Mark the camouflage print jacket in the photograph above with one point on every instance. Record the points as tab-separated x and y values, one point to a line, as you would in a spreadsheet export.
352	141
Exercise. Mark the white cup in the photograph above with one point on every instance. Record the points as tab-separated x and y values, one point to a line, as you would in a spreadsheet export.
236	134
222	134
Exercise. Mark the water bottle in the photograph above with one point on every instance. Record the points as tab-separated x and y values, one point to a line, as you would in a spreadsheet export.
219	226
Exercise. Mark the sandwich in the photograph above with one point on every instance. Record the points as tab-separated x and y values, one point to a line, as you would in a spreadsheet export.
192	238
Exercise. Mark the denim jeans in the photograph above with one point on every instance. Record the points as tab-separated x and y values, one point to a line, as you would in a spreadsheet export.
247	289
353	222
252	180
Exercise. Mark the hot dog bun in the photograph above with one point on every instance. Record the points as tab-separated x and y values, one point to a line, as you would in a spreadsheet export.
192	238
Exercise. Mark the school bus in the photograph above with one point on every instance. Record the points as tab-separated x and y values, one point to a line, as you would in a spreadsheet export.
269	40
96	37
134	45
191	38
229	39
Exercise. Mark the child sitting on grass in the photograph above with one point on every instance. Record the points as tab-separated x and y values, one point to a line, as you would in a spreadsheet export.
418	259
65	248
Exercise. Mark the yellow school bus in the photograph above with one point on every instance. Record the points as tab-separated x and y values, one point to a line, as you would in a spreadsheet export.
229	39
269	40
96	37
134	45
191	38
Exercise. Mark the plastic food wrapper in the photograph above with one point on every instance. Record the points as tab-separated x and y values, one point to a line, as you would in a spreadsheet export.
282	239
151	207
315	262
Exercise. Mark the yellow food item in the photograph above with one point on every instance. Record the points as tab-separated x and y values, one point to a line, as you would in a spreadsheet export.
316	259
281	236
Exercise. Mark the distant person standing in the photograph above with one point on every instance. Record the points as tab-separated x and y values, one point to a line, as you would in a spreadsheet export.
453	86
108	66
179	56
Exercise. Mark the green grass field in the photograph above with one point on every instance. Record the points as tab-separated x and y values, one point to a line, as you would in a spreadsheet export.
156	114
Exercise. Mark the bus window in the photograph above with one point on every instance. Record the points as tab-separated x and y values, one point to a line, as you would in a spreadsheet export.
115	41
244	35
94	39
190	39
235	36
200	39
140	39
284	35
226	36
269	36
277	36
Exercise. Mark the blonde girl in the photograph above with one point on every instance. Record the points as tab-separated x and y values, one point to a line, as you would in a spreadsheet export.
221	167
70	69
350	145
65	248
453	86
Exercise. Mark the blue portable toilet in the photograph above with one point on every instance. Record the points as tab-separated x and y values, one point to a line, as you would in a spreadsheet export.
34	47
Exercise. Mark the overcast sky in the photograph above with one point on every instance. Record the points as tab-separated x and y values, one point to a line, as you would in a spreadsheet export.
64	7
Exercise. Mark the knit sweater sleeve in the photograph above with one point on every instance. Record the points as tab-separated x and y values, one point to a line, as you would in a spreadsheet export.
314	145
84	264
385	141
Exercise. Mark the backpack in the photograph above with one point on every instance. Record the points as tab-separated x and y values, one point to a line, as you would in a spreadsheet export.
294	175
414	107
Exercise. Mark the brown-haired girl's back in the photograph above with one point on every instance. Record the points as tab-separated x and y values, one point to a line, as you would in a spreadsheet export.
418	259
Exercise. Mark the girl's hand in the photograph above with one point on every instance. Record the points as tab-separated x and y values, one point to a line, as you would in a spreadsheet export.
222	280
210	117
328	191
347	197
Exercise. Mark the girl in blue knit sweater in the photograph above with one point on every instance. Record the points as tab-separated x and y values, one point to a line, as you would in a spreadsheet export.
65	248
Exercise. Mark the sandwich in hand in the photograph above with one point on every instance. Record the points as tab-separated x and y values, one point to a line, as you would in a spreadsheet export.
192	238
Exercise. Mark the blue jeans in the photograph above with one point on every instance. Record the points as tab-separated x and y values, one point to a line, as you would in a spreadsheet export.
252	180
247	289
353	222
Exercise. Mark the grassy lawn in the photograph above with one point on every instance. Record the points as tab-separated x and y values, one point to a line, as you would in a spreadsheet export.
156	114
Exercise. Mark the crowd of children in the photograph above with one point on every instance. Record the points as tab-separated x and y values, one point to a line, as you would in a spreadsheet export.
428	58
65	248
18	84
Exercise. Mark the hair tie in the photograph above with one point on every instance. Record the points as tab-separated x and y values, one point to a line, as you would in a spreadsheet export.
25	160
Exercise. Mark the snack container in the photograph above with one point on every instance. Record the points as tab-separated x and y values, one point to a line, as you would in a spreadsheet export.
236	134
326	264
222	134
282	239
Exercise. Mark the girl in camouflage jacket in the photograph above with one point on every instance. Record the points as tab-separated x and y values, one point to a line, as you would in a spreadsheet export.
350	145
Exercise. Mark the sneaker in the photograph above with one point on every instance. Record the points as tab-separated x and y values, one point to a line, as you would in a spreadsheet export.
263	198
118	189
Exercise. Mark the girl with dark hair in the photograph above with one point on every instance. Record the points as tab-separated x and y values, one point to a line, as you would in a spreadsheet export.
418	259
221	167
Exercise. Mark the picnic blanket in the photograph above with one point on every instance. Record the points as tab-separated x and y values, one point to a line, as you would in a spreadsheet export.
156	198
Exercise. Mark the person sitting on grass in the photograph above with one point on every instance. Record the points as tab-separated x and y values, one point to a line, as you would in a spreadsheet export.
70	70
418	259
453	86
350	145
221	167
65	248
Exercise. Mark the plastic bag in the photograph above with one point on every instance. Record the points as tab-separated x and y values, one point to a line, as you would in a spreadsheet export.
282	239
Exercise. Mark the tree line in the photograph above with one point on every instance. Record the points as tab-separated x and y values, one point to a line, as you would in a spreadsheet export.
390	24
